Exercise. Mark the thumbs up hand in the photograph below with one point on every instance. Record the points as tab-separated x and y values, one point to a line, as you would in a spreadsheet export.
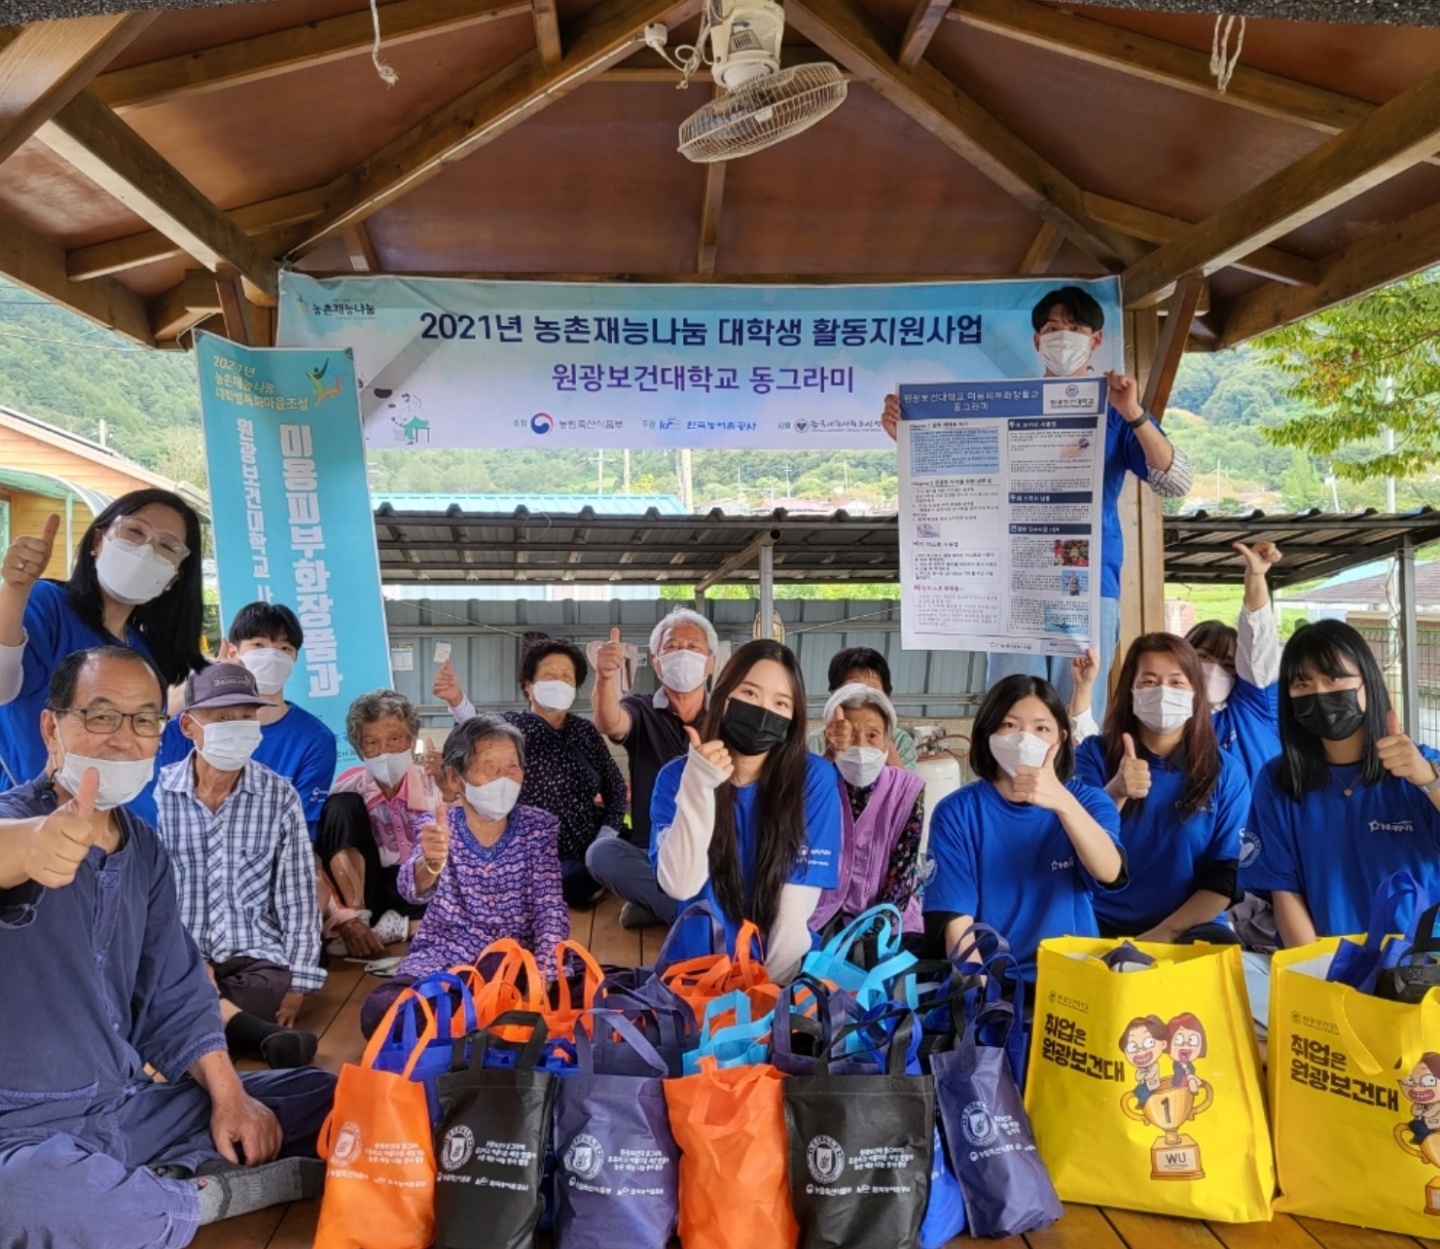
1134	774
1041	787
1401	756
611	657
715	754
27	557
839	734
60	842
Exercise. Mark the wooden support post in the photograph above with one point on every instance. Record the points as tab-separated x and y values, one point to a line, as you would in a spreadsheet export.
234	307
924	22
547	31
1142	588
710	211
361	250
1179	317
1043	250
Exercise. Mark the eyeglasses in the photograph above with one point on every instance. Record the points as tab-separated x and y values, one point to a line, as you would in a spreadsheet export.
133	529
104	722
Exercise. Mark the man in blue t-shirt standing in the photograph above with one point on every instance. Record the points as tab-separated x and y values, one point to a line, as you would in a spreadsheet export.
266	638
1069	327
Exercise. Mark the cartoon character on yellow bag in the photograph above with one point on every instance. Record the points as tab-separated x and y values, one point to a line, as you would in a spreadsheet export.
1421	1136
1167	1106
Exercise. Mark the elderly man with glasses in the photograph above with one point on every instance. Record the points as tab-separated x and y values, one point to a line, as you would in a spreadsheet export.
103	986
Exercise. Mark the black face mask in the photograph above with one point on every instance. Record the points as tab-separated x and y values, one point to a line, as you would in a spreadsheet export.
749	729
1333	716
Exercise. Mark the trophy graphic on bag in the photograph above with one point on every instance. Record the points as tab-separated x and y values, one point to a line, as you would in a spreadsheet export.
1420	1138
1167	1106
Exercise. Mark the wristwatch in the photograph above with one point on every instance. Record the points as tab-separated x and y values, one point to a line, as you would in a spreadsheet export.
1431	786
1140	420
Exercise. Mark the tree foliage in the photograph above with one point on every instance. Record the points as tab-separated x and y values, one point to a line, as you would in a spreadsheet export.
1359	369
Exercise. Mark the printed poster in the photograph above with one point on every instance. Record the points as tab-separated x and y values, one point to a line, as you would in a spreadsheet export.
1001	486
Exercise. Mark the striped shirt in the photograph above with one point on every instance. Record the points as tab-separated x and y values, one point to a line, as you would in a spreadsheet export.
245	874
510	889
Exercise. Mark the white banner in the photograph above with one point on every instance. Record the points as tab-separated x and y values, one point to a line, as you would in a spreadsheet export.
452	363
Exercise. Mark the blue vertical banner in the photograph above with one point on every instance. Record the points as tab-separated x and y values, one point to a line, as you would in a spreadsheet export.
291	509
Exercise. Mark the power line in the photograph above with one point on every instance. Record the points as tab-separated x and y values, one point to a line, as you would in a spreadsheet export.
73	342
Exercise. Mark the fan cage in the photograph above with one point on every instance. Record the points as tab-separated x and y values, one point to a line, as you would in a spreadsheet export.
763	112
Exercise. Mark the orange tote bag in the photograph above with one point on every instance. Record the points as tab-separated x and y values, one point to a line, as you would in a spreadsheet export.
379	1152
730	1126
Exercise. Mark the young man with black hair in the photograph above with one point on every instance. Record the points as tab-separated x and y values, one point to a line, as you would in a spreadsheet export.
266	638
1069	327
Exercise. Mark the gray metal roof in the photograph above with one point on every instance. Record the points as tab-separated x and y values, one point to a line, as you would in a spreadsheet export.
1359	12
1315	544
456	546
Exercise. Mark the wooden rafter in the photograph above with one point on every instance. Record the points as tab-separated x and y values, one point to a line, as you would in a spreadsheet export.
1364	266
184	305
547	31
36	263
149	246
924	22
297	47
1174	336
855	38
525	87
108	152
1042	250
360	249
45	65
1158	61
1393	138
710	213
234	308
1153	227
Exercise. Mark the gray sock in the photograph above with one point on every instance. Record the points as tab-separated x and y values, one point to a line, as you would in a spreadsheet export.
231	1191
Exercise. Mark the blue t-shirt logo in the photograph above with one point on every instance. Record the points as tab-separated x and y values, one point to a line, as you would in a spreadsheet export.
1249	846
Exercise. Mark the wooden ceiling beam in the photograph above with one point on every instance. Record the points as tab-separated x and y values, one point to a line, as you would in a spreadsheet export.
360	249
1158	61
1376	260
185	305
646	66
146	248
37	264
294	48
522	89
1153	227
1393	138
1174	336
234	308
1042	250
547	32
924	22
96	142
45	65
855	38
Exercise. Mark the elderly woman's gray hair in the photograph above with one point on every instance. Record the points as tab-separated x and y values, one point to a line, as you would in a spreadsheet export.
379	705
683	615
855	696
466	738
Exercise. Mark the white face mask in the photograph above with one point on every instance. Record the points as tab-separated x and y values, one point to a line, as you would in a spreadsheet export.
120	779
390	769
132	574
493	800
1162	708
683	671
1219	684
271	668
554	695
228	744
1013	751
1065	352
861	765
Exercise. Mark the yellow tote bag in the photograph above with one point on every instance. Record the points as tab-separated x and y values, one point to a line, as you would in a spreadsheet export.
1144	1087
1355	1086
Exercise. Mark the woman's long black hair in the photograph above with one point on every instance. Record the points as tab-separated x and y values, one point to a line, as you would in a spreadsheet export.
780	839
171	624
1321	649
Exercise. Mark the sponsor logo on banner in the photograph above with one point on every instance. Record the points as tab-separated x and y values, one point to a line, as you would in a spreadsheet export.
542	423
826	1159
458	1148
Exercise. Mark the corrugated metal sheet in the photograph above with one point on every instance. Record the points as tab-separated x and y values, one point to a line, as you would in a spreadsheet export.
486	640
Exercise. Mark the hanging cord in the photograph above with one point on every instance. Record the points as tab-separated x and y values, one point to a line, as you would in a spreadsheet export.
1222	61
384	68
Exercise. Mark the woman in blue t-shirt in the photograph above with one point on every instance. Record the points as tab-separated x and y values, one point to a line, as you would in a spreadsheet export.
1351	798
1182	802
135	582
1023	847
749	819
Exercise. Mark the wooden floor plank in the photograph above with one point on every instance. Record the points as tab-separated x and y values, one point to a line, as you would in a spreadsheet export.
1339	1236
651	939
1282	1232
249	1231
297	1228
582	923
610	943
1145	1231
1083	1227
341	1042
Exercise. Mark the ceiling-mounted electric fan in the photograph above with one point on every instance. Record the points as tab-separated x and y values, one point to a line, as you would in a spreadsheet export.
763	104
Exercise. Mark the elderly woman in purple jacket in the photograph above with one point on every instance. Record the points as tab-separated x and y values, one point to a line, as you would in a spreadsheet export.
882	808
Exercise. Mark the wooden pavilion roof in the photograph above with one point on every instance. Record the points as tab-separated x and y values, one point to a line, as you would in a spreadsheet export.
157	166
